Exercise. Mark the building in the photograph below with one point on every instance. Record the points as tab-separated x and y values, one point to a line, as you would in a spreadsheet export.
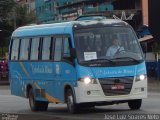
129	10
69	10
45	10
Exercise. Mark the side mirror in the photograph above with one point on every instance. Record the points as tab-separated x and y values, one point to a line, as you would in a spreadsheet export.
73	52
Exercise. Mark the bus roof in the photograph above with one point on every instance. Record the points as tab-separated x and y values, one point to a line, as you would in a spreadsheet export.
62	28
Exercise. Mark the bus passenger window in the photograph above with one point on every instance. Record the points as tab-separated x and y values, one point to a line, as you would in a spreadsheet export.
34	49
15	48
46	48
66	49
58	49
24	49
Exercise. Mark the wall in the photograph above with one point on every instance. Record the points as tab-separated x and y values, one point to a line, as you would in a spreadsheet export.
145	11
45	10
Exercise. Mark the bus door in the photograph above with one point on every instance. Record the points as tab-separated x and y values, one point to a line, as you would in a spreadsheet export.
64	68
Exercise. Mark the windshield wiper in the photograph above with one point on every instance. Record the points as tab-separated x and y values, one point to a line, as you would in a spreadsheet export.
133	59
98	60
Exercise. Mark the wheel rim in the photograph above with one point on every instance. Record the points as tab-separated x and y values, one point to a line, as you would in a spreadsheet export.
70	103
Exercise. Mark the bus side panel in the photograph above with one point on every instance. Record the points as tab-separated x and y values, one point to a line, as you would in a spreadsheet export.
41	75
47	79
63	74
17	82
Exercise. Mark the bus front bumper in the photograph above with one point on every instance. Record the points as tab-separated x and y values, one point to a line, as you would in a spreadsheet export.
94	93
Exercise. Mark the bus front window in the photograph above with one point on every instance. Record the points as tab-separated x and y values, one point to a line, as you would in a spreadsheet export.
107	45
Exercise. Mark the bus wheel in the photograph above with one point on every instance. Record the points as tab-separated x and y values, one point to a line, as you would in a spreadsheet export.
135	104
71	105
36	105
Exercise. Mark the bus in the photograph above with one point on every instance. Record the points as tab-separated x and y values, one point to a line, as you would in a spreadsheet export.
60	63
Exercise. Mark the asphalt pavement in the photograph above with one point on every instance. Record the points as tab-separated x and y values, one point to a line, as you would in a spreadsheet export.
154	85
17	108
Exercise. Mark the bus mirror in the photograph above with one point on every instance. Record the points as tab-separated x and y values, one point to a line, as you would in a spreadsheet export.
73	52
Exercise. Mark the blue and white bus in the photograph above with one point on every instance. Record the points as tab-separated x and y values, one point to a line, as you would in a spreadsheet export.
61	63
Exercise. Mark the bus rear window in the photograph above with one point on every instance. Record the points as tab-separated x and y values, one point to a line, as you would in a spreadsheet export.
15	49
24	49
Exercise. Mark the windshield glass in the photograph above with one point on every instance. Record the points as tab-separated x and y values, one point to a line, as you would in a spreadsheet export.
107	44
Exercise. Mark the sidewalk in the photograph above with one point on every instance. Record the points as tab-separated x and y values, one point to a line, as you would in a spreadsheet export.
5	90
153	85
4	81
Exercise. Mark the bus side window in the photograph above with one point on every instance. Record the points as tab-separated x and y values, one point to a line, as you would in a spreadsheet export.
24	49
46	48
66	49
58	49
34	49
15	49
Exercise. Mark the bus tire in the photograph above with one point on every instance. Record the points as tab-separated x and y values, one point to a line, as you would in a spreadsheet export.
135	104
71	105
36	105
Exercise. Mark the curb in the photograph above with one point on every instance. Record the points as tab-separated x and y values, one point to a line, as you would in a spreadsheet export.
2	83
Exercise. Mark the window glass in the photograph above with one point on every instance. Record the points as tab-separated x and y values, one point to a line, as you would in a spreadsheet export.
15	47
46	48
66	48
34	49
24	49
107	43
58	49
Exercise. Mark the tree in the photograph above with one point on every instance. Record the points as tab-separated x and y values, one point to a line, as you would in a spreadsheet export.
23	17
5	8
12	16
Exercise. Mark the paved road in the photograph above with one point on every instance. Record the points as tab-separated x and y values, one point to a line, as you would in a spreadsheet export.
13	105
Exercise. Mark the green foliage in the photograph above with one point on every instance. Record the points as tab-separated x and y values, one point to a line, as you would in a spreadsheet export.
3	50
12	16
5	8
23	17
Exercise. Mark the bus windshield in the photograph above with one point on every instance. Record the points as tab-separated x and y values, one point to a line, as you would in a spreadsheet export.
107	45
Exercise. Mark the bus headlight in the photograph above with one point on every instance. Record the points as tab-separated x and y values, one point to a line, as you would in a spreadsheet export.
88	80
141	78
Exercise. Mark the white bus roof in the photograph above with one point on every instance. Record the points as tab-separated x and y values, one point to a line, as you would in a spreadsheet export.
60	28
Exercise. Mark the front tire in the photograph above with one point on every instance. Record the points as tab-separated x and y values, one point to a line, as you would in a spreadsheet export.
71	105
36	105
135	104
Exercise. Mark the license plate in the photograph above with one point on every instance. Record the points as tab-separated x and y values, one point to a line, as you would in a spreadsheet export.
117	87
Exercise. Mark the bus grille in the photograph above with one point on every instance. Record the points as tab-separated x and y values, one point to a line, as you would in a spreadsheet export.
108	83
